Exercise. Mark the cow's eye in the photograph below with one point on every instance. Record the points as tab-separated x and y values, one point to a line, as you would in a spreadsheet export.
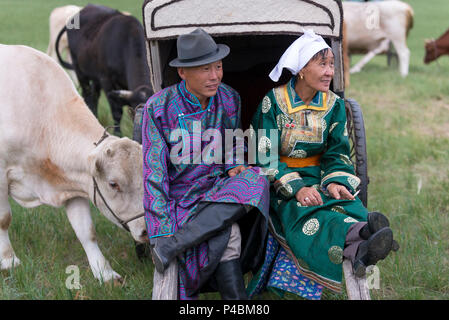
114	185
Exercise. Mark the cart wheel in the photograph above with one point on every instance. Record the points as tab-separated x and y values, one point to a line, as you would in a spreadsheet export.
356	132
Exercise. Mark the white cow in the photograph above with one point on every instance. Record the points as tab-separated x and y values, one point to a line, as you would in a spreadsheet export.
59	17
370	26
48	156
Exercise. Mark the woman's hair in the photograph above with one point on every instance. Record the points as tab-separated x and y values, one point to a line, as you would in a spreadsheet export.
321	54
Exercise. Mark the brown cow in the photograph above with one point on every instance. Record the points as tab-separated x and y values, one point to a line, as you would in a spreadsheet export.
436	48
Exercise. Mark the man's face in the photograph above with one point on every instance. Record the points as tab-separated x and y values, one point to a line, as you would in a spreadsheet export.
202	81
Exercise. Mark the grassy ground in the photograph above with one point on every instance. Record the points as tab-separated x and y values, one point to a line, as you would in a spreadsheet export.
407	122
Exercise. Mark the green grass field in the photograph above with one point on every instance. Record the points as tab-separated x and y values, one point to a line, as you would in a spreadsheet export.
407	128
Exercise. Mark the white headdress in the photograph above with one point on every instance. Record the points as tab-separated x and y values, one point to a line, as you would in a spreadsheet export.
299	53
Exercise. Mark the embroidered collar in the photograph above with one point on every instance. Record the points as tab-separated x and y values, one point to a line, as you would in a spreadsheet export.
192	99
295	103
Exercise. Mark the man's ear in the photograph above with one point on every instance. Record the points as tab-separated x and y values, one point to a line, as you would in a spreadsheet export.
182	73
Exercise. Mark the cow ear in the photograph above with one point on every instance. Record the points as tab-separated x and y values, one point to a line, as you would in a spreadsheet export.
95	165
98	167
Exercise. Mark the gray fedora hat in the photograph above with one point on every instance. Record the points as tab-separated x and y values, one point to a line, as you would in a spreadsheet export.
198	48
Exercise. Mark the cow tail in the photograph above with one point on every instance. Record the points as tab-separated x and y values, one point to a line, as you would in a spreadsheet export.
62	62
409	20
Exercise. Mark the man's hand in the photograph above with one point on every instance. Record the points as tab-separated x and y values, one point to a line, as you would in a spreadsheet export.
338	191
309	196
235	171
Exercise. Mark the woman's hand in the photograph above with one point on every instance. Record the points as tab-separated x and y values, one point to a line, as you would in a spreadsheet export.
309	196
235	171
338	191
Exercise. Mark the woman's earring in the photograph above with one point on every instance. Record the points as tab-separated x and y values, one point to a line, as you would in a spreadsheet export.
301	76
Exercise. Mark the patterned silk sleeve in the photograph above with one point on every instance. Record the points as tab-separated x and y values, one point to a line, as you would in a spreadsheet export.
286	181
156	157
239	147
335	162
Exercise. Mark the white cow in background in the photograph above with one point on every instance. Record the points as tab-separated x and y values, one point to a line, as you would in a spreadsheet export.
59	17
370	26
48	156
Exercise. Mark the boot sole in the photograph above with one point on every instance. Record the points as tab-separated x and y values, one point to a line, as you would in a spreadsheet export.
380	246
377	221
158	264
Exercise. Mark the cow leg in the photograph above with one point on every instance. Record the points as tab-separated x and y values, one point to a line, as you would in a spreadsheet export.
78	212
8	258
94	96
117	112
403	55
383	46
116	106
90	91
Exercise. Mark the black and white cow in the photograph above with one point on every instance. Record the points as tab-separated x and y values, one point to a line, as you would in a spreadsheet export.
108	52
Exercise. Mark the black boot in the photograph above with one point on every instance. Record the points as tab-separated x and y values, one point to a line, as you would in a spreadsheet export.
230	281
208	221
370	251
375	222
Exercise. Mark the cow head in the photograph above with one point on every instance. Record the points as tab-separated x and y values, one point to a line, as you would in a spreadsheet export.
431	51
116	166
132	98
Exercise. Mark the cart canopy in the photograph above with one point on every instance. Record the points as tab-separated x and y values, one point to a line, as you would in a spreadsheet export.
166	19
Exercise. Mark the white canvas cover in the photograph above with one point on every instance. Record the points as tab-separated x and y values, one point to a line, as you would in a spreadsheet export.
166	19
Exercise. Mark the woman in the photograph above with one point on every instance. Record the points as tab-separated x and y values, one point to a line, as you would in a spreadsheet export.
315	214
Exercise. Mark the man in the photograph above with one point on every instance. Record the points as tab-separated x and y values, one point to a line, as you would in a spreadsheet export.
211	216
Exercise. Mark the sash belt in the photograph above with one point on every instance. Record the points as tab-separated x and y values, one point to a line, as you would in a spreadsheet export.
301	162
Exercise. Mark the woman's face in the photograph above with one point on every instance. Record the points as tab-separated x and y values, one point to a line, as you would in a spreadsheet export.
319	72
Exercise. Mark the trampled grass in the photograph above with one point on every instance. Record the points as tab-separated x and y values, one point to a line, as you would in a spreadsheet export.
407	122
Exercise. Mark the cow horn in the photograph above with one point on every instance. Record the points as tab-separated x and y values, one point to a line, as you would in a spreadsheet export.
124	94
